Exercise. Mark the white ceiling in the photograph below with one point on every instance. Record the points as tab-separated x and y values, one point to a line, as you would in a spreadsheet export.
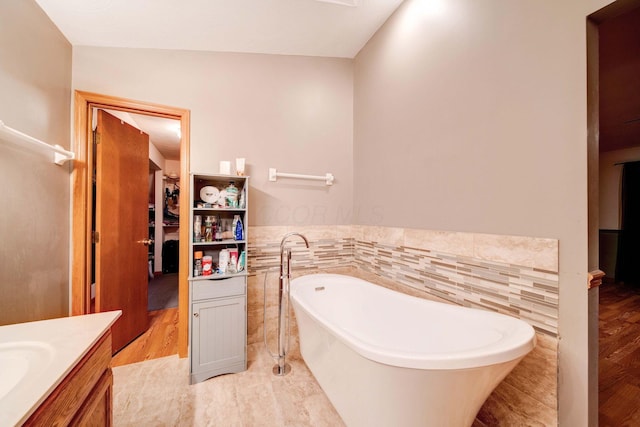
333	28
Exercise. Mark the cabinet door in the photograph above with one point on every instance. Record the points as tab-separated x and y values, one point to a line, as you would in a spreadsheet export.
97	410
219	334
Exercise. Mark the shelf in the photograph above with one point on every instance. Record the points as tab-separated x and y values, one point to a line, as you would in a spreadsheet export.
219	177
219	276
219	209
220	242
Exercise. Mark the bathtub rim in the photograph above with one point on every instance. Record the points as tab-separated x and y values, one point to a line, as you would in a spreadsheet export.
421	360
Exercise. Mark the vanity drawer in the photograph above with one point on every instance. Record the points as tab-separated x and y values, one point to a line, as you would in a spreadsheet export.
218	288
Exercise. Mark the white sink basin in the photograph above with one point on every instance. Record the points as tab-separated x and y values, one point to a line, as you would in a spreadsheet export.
21	361
35	357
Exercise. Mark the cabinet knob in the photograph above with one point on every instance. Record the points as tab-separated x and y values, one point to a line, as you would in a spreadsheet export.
195	315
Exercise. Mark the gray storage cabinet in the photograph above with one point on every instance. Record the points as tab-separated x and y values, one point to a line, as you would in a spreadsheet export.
218	328
217	302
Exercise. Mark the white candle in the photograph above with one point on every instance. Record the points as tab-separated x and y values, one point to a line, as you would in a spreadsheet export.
225	167
240	166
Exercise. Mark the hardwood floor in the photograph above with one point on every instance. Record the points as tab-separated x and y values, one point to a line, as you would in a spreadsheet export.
619	356
160	340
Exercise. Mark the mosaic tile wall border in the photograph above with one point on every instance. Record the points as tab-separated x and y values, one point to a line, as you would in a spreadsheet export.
527	293
467	277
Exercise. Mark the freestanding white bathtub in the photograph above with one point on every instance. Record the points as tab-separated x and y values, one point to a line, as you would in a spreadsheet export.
389	359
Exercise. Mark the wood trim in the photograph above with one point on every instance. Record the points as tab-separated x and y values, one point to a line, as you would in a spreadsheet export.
613	10
82	194
80	303
595	278
185	236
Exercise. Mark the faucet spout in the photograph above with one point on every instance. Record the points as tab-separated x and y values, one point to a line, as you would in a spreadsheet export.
292	234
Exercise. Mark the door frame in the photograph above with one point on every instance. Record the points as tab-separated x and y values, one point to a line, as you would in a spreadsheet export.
593	21
82	194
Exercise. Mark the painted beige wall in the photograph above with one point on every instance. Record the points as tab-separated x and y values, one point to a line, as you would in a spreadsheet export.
291	113
477	111
35	82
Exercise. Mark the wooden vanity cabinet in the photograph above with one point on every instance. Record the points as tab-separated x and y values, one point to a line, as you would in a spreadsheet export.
85	395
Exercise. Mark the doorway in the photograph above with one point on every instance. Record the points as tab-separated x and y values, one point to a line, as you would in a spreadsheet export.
83	193
162	198
614	135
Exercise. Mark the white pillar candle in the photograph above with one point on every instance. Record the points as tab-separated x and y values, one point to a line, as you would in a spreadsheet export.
240	166
225	167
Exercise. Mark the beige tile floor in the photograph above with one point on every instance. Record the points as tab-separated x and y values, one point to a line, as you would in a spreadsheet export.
157	393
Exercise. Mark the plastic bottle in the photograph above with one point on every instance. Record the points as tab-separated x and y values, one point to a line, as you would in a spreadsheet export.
197	228
233	262
242	259
223	260
239	230
218	233
242	203
209	228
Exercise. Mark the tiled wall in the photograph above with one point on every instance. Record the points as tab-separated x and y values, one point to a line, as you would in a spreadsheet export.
330	247
513	275
524	292
508	274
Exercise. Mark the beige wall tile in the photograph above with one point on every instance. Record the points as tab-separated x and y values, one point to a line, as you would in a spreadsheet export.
439	241
266	233
358	231
315	232
526	251
391	236
344	231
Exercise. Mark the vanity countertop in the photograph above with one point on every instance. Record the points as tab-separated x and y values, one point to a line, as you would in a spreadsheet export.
37	356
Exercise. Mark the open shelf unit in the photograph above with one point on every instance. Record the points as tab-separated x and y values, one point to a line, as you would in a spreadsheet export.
223	218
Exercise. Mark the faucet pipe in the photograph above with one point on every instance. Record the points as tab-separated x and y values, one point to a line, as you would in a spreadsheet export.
282	368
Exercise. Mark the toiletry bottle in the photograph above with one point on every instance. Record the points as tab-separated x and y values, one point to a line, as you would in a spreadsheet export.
223	260
218	235
197	228
208	228
239	231
207	265
242	203
233	263
197	268
242	259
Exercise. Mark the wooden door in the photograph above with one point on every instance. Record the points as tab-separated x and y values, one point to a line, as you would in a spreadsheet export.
121	266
